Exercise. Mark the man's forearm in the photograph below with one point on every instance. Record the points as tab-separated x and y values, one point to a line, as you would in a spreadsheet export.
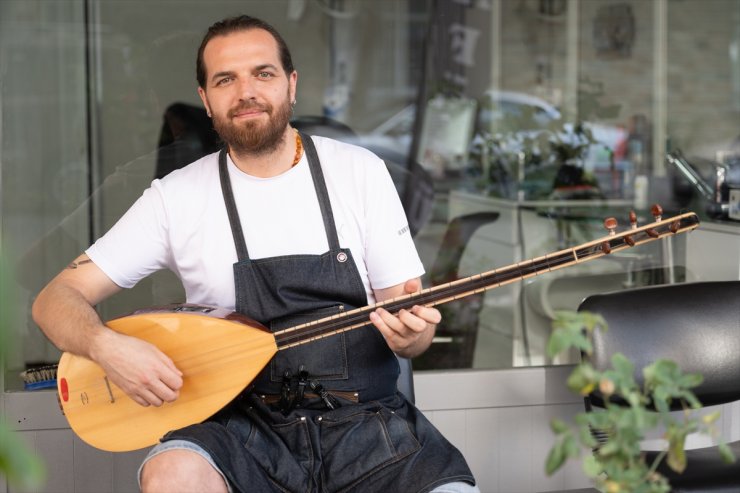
68	319
66	315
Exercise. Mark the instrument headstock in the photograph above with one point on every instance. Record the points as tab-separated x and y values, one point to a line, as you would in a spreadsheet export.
660	227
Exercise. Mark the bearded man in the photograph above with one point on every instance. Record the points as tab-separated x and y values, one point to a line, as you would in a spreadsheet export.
283	228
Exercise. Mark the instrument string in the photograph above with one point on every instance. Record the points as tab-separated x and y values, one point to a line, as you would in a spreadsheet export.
429	297
479	282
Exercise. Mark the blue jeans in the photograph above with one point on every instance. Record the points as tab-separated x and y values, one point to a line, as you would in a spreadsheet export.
456	487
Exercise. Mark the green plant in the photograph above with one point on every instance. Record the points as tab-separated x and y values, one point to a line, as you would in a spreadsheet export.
615	463
17	462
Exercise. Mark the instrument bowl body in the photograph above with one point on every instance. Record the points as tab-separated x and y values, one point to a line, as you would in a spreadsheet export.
218	355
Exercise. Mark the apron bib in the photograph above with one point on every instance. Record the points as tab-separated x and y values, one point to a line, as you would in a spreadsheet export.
380	444
285	291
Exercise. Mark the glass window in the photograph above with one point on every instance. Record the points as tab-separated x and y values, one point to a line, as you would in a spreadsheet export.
512	129
44	156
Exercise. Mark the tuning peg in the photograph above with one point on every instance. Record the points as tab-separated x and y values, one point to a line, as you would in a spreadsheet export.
633	220
657	212
633	225
675	226
611	224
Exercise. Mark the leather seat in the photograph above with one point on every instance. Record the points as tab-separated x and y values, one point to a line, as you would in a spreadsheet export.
697	325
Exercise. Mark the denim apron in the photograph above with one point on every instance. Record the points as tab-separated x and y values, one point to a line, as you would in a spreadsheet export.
381	443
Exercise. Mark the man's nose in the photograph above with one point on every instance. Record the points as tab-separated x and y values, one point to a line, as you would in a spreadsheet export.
247	89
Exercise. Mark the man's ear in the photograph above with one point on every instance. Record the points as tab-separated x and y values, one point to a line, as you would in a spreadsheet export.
293	84
204	98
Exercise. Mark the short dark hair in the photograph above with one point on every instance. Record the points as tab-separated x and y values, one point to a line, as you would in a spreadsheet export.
236	24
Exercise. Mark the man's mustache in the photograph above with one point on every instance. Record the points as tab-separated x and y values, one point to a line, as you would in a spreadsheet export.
249	106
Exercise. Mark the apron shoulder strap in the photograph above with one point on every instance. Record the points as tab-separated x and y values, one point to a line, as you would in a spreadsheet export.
320	186
236	224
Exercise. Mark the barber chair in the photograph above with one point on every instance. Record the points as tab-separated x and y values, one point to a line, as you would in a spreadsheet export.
697	325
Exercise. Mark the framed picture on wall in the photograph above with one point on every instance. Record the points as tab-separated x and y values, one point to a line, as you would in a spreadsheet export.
614	31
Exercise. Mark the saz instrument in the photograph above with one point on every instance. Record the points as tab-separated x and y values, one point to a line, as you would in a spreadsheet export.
220	352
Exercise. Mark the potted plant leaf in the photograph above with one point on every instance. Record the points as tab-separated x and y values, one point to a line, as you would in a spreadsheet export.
17	463
608	440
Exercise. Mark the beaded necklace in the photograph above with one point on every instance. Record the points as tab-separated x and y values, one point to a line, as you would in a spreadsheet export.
298	149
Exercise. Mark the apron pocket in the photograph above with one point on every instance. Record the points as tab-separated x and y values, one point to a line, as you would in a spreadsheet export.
324	359
357	445
282	451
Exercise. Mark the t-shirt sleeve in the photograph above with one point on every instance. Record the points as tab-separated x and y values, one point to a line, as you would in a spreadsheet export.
390	253
136	246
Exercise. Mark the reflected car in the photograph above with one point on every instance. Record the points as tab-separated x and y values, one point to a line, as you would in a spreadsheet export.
504	112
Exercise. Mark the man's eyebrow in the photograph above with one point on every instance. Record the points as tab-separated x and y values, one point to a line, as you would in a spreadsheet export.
224	73
265	66
231	73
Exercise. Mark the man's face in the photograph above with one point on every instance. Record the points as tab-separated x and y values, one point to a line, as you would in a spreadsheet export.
247	92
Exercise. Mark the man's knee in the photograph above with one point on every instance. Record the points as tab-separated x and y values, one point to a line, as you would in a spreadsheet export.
182	471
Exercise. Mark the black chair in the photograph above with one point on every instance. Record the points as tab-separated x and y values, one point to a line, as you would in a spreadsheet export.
405	382
697	325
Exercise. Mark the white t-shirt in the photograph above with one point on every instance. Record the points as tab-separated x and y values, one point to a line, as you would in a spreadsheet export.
180	223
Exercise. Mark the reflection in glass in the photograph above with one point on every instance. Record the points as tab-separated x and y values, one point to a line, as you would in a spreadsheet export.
511	129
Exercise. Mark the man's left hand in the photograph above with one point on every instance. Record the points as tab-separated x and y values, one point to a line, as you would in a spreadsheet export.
408	333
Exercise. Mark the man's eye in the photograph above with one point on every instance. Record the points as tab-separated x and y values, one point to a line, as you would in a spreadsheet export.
264	75
223	81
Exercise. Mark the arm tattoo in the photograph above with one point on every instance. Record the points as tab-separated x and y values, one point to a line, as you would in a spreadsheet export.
77	263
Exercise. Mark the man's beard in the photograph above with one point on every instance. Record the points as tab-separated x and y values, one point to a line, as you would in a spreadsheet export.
254	137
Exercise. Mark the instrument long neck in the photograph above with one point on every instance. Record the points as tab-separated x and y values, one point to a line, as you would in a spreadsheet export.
487	280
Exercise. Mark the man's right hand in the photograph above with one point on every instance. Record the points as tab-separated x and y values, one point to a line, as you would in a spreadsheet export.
140	369
65	311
